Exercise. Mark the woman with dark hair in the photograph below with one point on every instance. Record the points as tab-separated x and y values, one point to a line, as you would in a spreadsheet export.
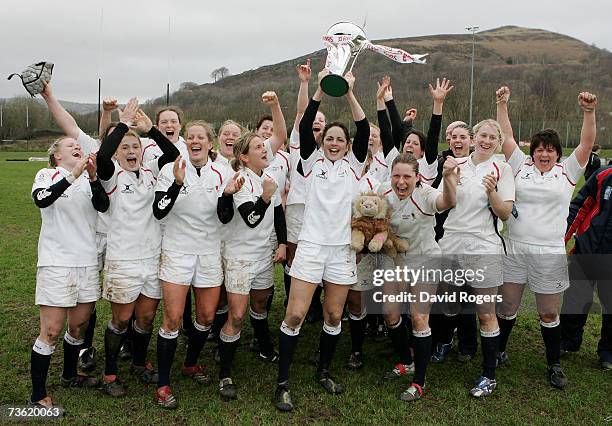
324	252
536	229
67	280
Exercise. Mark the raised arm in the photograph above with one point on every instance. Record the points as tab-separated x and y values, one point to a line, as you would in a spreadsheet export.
448	198
502	96
386	136
99	197
111	142
304	73
308	144
108	106
279	128
45	196
588	103
62	118
438	94
360	141
164	200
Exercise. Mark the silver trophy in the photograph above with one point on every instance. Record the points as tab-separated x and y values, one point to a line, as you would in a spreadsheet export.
344	42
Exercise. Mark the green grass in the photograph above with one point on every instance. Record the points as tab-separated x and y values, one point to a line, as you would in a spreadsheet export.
523	395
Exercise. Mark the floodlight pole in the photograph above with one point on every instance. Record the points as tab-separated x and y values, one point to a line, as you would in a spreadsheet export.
473	30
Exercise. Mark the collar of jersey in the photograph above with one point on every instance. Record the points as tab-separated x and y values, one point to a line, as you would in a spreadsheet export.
482	164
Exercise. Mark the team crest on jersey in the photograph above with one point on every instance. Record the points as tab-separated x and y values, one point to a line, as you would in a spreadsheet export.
322	175
184	190
527	175
127	188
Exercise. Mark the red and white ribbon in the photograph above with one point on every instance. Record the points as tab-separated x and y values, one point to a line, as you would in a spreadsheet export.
398	55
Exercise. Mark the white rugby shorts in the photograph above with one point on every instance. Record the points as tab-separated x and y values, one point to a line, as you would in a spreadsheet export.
243	275
463	252
544	268
294	216
200	271
316	262
65	287
125	280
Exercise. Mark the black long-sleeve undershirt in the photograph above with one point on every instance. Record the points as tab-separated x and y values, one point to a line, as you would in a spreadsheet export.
44	197
99	197
280	225
308	144
109	145
225	208
405	127
252	213
386	136
164	200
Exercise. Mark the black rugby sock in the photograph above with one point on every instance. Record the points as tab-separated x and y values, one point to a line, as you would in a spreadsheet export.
112	344
401	343
357	326
166	348
489	340
552	341
287	342
422	353
197	339
327	344
89	333
506	323
227	349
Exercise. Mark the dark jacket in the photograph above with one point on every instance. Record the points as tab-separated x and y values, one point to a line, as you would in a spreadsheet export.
590	215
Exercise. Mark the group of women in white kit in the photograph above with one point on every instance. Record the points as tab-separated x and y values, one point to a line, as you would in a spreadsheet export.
178	214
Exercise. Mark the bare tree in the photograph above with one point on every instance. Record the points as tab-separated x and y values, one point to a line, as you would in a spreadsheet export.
219	73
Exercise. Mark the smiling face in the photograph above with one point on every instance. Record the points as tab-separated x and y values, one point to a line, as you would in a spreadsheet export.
460	141
374	143
256	158
68	153
198	145
486	141
318	125
545	157
404	179
129	153
413	146
228	134
265	129
335	143
169	124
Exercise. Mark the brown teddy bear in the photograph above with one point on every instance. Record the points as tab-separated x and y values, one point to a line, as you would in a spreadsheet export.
370	226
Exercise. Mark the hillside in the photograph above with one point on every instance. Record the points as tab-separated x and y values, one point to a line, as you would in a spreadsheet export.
545	70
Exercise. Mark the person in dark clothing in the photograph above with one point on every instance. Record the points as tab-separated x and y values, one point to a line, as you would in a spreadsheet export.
590	222
594	162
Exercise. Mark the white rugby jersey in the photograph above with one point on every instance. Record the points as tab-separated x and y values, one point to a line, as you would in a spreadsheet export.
472	214
413	218
87	143
542	200
150	150
222	160
330	190
68	230
133	232
279	170
241	241
427	172
88	146
192	226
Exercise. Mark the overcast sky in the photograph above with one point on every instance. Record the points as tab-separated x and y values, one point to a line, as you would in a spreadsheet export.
137	46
